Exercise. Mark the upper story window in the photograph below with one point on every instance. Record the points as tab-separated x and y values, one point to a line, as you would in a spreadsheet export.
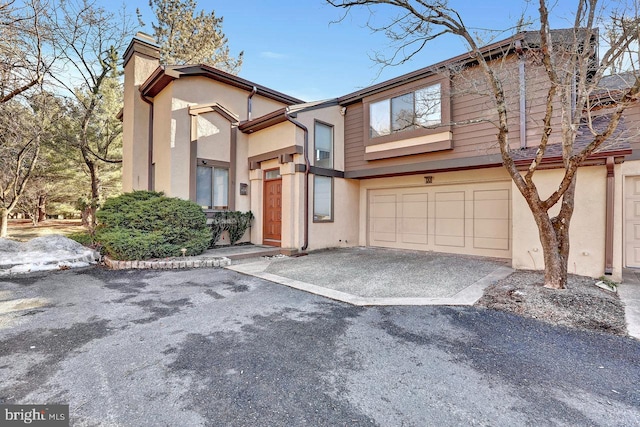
323	137
413	110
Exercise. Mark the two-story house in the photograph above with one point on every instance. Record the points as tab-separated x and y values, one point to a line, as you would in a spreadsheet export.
410	163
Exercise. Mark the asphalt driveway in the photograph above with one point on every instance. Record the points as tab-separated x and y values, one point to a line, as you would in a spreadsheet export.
214	347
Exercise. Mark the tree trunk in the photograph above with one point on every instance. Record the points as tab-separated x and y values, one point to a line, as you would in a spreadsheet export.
95	194
4	219
554	237
42	204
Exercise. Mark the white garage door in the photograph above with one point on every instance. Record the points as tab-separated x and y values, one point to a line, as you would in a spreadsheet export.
470	219
632	221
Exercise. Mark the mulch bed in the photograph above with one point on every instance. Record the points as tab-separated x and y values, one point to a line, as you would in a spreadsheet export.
581	305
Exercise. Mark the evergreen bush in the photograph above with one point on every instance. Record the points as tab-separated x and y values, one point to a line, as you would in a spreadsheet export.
146	224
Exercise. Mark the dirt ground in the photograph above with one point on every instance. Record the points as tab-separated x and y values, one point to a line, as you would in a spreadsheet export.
23	229
582	305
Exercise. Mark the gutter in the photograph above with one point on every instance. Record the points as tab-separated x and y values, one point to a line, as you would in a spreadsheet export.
306	176
253	92
608	240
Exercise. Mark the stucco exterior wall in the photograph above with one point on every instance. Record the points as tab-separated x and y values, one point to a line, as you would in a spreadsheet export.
162	151
271	139
331	116
135	124
343	231
587	228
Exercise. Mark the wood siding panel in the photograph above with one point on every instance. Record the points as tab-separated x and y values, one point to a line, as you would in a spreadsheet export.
470	102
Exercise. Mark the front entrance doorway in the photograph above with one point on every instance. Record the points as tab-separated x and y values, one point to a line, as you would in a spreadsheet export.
272	208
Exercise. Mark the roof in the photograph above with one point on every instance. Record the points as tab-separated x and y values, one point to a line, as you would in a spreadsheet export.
616	145
164	75
528	39
280	115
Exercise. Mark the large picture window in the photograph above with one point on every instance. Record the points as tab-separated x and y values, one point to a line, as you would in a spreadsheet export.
322	198
212	187
323	136
419	109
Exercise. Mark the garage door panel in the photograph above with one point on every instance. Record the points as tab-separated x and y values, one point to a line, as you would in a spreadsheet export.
632	221
414	225
490	243
384	206
384	225
469	218
491	209
453	241
494	228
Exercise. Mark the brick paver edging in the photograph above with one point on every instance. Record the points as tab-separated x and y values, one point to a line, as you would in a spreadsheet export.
168	264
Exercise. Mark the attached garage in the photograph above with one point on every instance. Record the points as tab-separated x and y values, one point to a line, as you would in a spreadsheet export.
632	222
472	219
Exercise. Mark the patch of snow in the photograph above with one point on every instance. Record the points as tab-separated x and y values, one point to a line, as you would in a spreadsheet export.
54	252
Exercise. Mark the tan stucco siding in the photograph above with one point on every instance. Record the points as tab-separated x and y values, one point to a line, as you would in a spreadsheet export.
180	146
162	141
343	231
214	136
274	138
135	126
201	90
331	116
587	228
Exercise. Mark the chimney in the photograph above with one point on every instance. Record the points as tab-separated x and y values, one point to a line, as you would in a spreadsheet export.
141	59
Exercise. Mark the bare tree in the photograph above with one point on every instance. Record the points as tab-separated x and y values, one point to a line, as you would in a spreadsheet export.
23	128
90	39
24	37
572	74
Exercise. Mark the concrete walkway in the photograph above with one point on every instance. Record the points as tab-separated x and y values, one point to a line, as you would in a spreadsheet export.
629	292
372	276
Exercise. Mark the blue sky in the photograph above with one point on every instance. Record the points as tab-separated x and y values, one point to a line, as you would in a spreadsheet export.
292	46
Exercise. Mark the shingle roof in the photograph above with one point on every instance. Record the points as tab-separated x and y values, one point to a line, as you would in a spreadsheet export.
616	144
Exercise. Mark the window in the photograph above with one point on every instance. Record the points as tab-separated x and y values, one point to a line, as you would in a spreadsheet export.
322	198
212	187
323	145
421	108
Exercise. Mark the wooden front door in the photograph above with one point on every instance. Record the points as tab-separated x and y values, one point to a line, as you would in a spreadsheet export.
272	208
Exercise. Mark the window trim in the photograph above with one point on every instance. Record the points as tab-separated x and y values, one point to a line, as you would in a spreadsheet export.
313	213
445	112
333	157
220	165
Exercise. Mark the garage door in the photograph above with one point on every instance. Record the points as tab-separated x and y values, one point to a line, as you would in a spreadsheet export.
470	219
632	221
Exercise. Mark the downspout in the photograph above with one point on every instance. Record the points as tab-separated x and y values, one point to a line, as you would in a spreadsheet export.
150	177
608	240
306	177
253	92
523	94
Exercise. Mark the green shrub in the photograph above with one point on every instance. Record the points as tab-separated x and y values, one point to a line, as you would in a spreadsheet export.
83	237
238	222
146	224
234	222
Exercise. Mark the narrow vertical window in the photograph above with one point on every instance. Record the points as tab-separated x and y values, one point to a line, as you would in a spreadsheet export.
322	198
323	135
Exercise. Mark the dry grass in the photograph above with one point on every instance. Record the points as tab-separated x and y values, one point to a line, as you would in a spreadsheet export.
23	230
